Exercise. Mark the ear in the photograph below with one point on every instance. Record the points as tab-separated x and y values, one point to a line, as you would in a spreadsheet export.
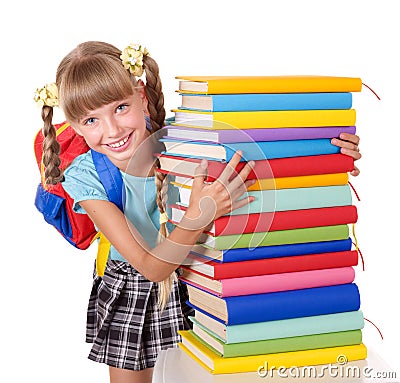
141	89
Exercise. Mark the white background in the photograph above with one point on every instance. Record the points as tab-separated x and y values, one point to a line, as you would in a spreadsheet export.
46	283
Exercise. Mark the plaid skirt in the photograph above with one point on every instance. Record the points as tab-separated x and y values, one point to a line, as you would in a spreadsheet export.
124	323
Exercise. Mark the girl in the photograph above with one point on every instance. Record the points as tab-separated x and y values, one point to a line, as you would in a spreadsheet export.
137	307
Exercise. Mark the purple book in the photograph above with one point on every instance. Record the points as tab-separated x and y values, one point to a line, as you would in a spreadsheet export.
249	135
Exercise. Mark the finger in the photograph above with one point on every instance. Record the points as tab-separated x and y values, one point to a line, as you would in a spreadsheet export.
240	178
345	144
355	172
230	168
200	174
352	153
353	138
242	202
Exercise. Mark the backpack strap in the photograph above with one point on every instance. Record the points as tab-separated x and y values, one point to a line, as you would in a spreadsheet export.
111	179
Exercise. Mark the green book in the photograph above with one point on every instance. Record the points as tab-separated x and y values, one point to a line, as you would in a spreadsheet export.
273	238
273	346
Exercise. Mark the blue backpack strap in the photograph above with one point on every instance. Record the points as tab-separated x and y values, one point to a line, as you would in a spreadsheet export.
110	177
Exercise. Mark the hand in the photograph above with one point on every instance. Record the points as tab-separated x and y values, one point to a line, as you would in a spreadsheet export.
209	201
348	144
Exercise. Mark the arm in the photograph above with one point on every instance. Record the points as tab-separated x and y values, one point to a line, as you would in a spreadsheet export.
349	146
207	202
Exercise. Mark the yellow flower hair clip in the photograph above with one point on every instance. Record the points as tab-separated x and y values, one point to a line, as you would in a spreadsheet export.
47	95
132	58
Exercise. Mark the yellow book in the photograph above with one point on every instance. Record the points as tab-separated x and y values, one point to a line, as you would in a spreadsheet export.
282	183
219	365
265	119
267	84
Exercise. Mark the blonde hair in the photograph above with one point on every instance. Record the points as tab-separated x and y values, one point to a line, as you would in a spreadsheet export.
90	76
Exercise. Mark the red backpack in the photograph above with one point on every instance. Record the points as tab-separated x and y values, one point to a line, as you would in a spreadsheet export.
56	205
53	201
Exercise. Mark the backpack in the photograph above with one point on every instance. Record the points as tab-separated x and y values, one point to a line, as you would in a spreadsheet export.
55	204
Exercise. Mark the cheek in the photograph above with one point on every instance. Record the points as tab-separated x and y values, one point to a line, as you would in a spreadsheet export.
92	137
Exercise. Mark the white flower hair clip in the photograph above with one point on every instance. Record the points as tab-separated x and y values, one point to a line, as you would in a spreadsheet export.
132	58
47	95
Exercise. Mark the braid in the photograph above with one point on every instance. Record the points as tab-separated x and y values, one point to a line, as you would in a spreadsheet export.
157	113
51	149
154	94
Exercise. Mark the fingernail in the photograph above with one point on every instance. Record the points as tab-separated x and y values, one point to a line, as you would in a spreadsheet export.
251	163
239	152
203	163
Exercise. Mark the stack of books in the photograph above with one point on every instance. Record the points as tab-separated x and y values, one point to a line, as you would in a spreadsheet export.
273	281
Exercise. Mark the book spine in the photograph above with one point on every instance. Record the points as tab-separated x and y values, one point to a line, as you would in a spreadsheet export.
281	134
292	304
318	356
286	328
273	238
285	264
282	84
281	101
266	119
268	150
286	281
306	342
285	220
258	253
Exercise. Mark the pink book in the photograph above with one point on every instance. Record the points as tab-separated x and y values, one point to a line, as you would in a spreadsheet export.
268	283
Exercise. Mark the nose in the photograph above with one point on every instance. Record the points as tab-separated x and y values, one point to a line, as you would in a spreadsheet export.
111	127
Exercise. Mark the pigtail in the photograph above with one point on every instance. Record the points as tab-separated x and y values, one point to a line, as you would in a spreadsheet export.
51	149
157	113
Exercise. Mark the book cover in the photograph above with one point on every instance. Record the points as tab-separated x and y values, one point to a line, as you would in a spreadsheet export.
260	150
268	84
218	270
283	182
265	119
284	199
274	221
219	365
263	169
227	136
266	101
278	305
272	346
263	252
268	283
284	328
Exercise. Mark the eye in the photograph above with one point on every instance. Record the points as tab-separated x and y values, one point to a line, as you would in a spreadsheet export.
89	121
121	107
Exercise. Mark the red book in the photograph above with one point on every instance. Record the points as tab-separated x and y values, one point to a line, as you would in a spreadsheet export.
218	270
280	220
263	169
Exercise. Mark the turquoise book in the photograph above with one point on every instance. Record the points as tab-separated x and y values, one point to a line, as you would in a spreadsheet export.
285	199
286	328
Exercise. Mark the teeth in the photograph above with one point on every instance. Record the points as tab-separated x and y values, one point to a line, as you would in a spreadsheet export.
118	144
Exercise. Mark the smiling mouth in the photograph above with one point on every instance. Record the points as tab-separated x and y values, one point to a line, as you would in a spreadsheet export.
119	143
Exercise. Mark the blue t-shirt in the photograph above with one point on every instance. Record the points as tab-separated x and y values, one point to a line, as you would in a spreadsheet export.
83	183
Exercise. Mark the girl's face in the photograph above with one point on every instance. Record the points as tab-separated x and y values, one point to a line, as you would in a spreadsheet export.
116	129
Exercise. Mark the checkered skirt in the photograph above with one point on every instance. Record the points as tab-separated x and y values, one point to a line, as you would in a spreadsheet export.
124	323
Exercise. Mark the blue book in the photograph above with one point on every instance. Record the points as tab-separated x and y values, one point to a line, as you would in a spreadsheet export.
260	150
262	252
264	101
278	305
